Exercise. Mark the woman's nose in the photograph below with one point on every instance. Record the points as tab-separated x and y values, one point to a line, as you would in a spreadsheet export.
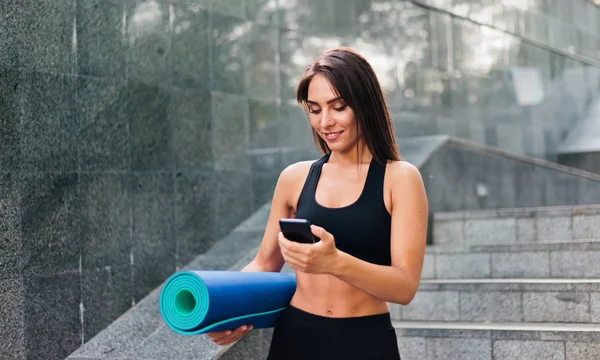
326	118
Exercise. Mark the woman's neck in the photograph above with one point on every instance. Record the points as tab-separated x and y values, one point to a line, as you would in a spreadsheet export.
351	157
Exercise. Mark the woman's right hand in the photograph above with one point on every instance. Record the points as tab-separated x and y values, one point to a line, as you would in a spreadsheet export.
227	337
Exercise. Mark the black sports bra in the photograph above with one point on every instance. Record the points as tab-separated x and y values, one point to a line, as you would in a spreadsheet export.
361	229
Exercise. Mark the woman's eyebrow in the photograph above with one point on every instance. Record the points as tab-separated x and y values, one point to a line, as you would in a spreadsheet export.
328	102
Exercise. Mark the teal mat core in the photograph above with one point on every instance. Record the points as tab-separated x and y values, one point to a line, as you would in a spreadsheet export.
185	302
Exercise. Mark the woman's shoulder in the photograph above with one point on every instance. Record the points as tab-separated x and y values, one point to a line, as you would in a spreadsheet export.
403	172
296	171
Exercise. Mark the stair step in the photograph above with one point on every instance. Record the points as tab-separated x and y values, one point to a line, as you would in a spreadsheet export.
418	340
496	326
489	227
504	300
560	245
559	259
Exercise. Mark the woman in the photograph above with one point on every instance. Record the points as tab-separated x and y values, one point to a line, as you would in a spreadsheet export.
367	206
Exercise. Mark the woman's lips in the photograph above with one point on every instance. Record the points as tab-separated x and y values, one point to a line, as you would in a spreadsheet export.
332	136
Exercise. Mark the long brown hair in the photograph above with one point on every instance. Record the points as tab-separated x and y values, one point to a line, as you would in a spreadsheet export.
354	80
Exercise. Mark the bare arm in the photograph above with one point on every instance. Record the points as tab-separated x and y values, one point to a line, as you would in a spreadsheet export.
269	258
399	282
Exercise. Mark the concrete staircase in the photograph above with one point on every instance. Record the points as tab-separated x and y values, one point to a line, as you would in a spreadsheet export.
507	284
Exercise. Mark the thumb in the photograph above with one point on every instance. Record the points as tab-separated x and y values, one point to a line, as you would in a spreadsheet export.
321	233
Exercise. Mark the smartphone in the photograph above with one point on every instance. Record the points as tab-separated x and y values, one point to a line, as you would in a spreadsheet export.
297	230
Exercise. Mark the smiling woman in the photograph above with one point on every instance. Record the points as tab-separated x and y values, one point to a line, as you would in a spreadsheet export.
340	88
369	210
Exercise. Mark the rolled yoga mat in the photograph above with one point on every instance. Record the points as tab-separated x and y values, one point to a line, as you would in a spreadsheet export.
196	302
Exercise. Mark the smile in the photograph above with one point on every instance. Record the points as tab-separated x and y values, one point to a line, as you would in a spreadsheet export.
333	135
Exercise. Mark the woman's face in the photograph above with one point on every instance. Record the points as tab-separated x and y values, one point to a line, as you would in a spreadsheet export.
330	116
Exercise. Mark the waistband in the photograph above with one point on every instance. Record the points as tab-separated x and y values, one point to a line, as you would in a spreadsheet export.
375	320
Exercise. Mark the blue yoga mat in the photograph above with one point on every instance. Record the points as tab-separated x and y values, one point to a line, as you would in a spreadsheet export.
196	302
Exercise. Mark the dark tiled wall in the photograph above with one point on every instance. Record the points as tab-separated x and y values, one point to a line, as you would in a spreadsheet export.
134	134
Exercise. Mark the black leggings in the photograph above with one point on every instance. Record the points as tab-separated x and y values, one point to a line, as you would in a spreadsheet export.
299	335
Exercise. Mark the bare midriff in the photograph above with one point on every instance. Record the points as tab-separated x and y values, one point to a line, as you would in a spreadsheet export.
326	295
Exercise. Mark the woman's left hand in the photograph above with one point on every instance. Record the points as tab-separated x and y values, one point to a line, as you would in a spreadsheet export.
318	258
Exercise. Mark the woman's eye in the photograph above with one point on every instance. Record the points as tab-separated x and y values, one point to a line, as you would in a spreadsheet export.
315	111
341	108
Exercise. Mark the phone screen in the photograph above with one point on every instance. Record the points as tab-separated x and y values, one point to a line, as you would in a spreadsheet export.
297	230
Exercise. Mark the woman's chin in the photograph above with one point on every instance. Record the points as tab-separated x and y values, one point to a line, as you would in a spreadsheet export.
338	147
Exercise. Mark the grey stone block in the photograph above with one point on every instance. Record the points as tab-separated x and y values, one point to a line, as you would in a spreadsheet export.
9	39
491	306
12	319
234	200
46	36
428	271
104	208
103	125
195	214
9	117
153	255
228	54
449	233
264	129
128	333
522	264
456	266
586	227
582	351
11	256
52	316
595	307
427	303
150	134
554	228
556	307
262	67
258	220
50	222
263	187
233	8
458	349
412	348
148	51
48	113
261	12
510	138
100	49
528	350
106	293
230	128
164	343
576	264
490	231
526	230
190	38
190	118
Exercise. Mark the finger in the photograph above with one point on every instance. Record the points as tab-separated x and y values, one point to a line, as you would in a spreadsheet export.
292	256
296	265
320	233
226	339
236	335
294	247
218	336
